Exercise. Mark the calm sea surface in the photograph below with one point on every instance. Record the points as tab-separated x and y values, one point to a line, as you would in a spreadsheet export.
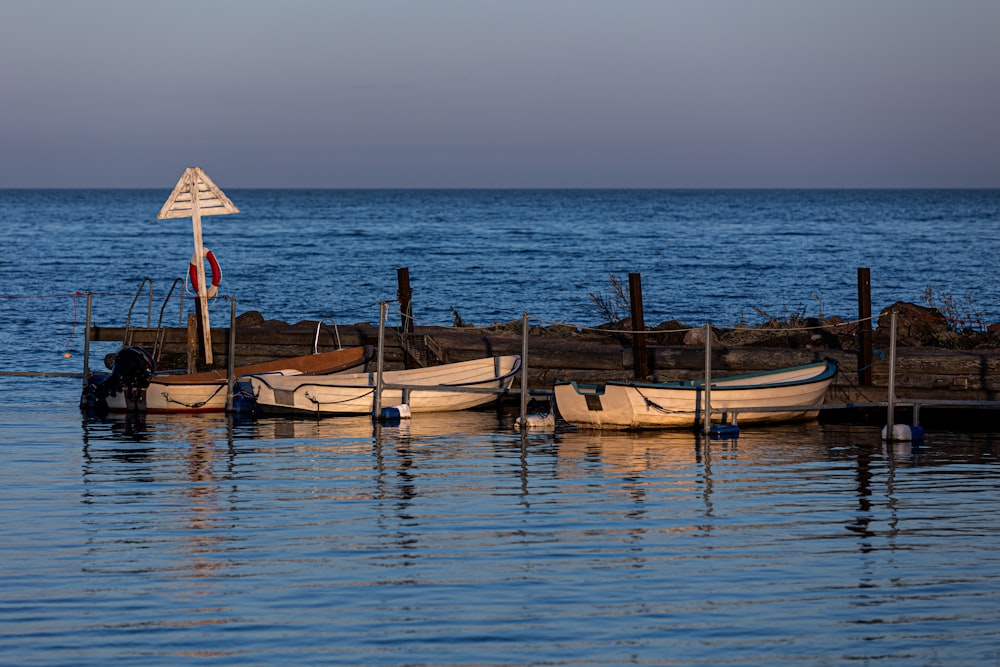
452	540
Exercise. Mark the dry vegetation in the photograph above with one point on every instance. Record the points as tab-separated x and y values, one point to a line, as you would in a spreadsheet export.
945	321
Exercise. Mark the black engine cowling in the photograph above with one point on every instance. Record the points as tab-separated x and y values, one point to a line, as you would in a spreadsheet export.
132	371
131	374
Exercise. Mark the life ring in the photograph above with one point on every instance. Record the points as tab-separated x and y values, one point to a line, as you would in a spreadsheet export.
213	289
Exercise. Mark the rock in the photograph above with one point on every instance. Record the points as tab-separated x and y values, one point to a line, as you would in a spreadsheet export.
915	325
697	337
671	332
251	318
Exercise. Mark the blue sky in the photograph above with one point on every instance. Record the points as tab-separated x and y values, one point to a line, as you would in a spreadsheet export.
511	93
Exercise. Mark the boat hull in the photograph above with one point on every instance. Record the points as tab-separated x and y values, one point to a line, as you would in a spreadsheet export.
622	405
207	391
444	388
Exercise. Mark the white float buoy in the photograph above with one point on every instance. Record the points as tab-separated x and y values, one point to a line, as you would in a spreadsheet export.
537	420
903	432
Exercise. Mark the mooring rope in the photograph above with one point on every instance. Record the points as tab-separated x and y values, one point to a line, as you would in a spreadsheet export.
650	403
195	406
317	402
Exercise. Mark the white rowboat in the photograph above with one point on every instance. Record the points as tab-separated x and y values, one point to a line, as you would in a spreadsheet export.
638	405
458	386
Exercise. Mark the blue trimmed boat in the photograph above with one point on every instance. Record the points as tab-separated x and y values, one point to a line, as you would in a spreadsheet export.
785	394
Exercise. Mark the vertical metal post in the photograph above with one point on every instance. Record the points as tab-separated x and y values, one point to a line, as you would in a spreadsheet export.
524	372
377	408
231	373
865	327
86	340
149	309
708	378
889	425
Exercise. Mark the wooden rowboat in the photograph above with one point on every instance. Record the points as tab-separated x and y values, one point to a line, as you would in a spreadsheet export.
444	388
639	405
206	391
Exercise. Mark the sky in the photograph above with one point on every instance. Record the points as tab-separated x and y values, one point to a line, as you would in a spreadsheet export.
501	94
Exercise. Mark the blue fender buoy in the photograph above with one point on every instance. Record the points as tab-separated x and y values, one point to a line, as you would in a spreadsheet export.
724	431
395	413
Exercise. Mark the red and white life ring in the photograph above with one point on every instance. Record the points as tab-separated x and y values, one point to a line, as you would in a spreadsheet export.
213	289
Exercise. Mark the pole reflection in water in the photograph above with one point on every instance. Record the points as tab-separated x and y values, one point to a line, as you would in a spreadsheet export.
161	517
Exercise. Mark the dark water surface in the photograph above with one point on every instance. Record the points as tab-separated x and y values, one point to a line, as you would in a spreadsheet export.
452	540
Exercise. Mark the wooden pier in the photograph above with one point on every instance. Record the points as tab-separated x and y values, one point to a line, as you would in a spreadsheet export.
928	377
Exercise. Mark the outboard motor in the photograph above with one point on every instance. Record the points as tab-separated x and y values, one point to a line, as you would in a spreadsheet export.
130	374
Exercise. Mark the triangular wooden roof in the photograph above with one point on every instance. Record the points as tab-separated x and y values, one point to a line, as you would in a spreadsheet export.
211	200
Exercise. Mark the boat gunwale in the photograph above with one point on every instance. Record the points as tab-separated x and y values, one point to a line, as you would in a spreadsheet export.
361	355
261	377
830	370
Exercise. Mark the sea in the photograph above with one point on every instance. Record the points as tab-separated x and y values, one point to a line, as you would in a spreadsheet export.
456	539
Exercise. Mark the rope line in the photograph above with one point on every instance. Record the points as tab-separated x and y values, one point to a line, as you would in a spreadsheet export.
659	408
317	402
579	327
877	356
169	399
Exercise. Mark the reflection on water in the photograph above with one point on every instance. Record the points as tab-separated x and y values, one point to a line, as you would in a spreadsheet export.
459	540
343	428
161	518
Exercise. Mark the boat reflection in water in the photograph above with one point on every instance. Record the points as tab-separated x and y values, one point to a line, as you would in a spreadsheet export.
344	428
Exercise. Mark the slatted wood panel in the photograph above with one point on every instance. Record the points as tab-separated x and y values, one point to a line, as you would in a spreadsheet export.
211	200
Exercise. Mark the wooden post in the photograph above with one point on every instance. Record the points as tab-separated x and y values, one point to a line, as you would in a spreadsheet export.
865	327
192	343
640	361
195	195
199	265
405	296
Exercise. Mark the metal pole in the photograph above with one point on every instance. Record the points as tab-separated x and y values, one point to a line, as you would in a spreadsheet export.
708	378
377	410
889	425
524	372
86	341
232	356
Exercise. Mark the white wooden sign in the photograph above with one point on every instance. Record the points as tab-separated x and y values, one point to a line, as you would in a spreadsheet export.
196	195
